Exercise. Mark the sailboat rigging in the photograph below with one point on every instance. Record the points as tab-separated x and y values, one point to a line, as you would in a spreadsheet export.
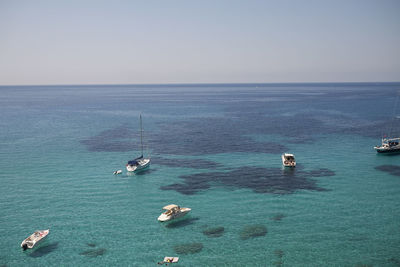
140	163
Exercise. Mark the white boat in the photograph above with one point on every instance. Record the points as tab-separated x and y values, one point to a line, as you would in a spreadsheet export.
140	163
169	260
118	172
34	238
389	145
172	212
288	160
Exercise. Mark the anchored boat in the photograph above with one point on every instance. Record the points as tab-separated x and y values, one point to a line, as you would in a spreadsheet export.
389	145
288	160
34	238
140	163
172	212
168	260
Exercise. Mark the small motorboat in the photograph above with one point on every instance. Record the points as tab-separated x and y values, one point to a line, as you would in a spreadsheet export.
172	212
288	160
169	260
118	172
34	238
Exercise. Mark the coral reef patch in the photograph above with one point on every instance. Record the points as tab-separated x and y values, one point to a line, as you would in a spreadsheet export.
252	231
92	253
260	180
391	169
214	232
190	248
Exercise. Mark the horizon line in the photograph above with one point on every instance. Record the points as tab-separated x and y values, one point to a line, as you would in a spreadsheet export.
193	83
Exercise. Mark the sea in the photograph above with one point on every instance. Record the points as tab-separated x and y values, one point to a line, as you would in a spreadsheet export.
215	148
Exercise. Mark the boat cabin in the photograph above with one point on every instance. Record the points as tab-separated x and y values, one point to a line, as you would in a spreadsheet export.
390	142
393	143
135	162
288	160
170	209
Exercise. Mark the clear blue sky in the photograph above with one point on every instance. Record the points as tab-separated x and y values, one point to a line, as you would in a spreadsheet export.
207	41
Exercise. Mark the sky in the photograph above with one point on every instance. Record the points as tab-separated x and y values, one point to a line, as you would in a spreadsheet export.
207	41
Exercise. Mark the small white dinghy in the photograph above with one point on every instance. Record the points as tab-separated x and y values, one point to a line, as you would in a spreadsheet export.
169	260
118	172
34	238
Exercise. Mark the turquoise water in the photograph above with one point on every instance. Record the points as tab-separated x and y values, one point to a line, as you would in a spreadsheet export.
215	149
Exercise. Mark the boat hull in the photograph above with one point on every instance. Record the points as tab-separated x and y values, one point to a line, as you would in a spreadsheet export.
165	218
34	238
389	145
142	166
387	150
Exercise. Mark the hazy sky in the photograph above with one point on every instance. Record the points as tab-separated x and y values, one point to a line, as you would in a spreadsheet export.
216	41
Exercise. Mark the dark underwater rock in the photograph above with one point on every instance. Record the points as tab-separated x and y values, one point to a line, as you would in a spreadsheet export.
92	253
198	137
252	231
189	248
91	245
279	253
186	163
395	261
260	180
278	217
391	169
214	232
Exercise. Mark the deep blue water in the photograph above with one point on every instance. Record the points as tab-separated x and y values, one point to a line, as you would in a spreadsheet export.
215	149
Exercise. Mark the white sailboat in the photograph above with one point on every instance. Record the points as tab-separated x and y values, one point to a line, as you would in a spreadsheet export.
140	163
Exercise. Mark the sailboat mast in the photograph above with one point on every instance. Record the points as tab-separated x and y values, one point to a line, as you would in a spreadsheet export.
141	134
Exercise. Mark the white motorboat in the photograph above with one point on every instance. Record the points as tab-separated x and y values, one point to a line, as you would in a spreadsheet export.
118	172
172	212
391	145
34	238
288	160
141	163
